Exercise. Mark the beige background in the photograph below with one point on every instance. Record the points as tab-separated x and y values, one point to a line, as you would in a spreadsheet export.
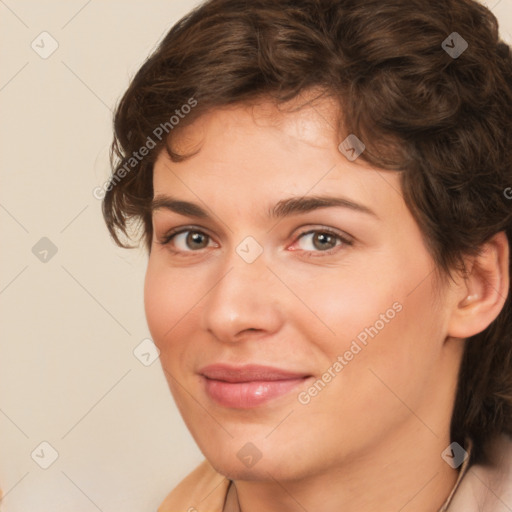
68	373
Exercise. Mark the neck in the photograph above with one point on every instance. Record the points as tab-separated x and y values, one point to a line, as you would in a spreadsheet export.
400	474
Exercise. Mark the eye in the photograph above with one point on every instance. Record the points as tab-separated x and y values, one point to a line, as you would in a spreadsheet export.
321	240
186	240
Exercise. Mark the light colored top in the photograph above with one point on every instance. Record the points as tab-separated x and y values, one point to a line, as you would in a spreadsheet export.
478	488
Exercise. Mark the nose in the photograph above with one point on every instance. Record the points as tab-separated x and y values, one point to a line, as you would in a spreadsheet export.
244	302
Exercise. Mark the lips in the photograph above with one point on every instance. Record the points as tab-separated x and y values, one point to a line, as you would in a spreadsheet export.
248	386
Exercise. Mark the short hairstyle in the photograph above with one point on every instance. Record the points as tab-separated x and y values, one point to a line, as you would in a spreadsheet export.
443	119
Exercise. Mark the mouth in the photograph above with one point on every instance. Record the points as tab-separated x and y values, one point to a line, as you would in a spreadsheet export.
248	386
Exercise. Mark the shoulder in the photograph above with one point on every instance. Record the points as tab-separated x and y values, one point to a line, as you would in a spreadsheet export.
487	487
202	489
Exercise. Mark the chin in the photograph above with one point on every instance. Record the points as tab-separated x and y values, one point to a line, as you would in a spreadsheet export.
230	463
235	472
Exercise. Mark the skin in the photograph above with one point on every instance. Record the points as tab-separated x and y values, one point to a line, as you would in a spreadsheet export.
372	438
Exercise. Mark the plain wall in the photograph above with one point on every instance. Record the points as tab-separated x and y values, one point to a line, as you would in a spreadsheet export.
71	320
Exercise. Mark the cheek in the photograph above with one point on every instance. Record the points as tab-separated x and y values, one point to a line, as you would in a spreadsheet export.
383	317
342	302
392	366
167	300
392	350
156	303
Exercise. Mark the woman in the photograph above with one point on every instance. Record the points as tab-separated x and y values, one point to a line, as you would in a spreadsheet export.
321	187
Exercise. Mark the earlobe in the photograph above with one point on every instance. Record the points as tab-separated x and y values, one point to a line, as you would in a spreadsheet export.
482	292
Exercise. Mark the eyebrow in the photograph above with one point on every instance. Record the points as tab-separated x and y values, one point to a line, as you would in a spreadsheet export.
284	208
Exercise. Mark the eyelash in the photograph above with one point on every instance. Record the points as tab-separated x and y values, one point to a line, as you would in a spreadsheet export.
345	241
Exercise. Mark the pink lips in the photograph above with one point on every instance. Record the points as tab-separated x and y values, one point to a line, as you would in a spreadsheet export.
247	386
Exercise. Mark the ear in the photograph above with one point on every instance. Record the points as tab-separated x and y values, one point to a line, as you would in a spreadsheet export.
480	295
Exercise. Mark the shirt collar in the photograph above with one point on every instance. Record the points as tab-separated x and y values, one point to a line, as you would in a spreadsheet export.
463	470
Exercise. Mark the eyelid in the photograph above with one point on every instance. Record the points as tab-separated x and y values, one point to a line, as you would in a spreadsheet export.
166	238
325	229
345	239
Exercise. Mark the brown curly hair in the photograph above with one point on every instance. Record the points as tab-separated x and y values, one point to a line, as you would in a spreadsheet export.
444	120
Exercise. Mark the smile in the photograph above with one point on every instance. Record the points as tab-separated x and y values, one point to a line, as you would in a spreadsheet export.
249	386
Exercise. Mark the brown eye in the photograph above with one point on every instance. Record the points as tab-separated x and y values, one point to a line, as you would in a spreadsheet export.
318	241
187	240
196	240
323	241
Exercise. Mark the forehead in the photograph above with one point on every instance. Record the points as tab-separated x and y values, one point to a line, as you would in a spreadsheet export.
308	119
265	151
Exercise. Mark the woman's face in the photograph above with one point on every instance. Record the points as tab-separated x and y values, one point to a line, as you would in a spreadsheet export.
336	296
